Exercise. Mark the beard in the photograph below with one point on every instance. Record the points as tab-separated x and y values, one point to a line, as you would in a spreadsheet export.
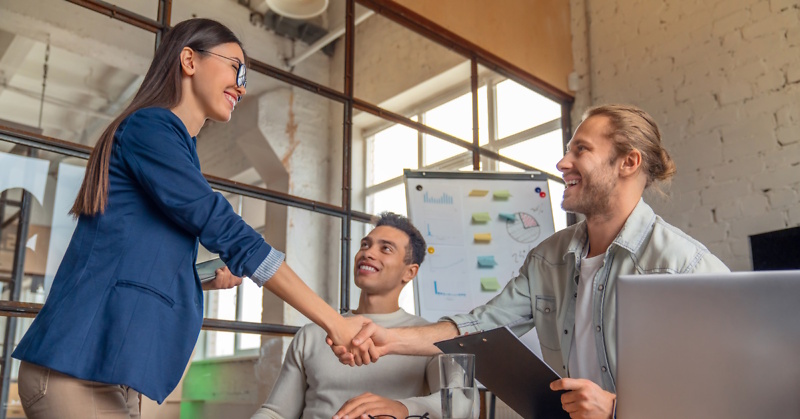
595	197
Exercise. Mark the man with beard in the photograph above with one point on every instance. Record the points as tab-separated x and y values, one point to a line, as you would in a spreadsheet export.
566	287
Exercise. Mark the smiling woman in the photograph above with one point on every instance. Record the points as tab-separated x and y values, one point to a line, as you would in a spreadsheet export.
126	305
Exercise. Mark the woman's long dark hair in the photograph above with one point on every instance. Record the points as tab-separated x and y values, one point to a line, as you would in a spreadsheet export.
161	87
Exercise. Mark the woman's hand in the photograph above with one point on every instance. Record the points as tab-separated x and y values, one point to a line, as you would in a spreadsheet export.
224	280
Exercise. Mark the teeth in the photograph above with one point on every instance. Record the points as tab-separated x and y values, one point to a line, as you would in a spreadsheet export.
367	268
572	182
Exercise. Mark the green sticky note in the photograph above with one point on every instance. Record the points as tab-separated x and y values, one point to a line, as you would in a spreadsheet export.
507	216
504	194
481	217
489	284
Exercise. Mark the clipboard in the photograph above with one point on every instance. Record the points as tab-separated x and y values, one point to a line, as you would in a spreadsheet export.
511	371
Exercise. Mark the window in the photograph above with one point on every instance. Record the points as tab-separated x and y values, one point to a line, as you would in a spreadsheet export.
527	129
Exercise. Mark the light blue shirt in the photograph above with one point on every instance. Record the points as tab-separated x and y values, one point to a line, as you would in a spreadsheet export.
545	292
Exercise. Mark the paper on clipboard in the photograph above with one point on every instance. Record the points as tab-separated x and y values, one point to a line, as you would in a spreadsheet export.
511	371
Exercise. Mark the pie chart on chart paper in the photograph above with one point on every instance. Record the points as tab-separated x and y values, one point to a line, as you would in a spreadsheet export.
524	228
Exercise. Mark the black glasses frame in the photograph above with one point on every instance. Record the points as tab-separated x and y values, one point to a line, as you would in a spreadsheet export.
241	71
423	416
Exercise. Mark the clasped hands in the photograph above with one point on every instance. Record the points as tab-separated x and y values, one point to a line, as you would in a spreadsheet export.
367	346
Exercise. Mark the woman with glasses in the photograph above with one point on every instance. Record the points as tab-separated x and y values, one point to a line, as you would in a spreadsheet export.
126	305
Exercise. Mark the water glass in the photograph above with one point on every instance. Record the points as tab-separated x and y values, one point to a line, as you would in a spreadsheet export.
457	376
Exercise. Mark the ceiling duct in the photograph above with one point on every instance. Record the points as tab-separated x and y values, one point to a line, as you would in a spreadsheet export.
298	9
303	30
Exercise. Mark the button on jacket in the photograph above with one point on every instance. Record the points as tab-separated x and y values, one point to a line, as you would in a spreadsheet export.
126	305
544	294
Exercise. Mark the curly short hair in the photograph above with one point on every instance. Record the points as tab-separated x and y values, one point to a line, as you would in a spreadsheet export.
415	250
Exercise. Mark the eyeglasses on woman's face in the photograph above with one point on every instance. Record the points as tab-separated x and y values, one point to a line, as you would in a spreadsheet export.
241	70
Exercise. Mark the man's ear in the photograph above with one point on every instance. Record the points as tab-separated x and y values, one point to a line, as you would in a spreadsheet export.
410	273
631	163
188	57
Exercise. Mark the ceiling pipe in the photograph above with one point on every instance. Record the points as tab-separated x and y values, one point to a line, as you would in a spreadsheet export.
325	40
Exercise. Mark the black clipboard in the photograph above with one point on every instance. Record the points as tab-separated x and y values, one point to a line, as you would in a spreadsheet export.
511	371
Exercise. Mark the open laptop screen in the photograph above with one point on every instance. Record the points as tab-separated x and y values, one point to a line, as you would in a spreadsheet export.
709	345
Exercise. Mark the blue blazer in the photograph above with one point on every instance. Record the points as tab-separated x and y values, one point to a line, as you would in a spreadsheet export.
126	304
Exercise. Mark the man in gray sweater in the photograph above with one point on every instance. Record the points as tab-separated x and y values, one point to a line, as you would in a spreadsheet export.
313	384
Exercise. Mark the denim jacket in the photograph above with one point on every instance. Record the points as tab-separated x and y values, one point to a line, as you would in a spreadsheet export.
545	292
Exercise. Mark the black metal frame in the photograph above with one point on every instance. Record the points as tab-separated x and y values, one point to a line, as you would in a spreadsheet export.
393	11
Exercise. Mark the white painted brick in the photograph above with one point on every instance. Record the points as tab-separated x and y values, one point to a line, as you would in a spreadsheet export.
779	5
793	74
763	223
759	48
794	216
747	72
747	137
709	233
789	114
732	41
730	22
713	119
728	210
722	250
753	205
793	36
782	197
699	151
741	249
775	178
788	134
769	102
723	191
741	169
765	26
737	92
785	156
727	8
759	10
773	80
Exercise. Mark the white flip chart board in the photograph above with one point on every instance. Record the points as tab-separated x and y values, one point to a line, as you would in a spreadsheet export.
479	227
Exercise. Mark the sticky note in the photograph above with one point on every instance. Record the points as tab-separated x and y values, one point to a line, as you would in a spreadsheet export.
481	217
478	192
504	194
490	284
483	237
507	216
486	261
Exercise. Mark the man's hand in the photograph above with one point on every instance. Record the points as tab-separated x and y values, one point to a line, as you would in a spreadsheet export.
368	345
352	354
224	280
371	404
584	399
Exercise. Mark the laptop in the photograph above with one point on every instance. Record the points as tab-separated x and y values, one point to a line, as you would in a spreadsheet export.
709	345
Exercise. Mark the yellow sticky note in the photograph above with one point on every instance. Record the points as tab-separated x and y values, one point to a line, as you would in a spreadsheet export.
483	237
478	192
481	217
490	284
504	194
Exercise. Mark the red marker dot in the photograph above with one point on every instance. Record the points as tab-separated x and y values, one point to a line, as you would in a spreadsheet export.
542	194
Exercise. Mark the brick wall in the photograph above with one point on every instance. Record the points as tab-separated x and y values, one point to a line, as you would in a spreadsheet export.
722	79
